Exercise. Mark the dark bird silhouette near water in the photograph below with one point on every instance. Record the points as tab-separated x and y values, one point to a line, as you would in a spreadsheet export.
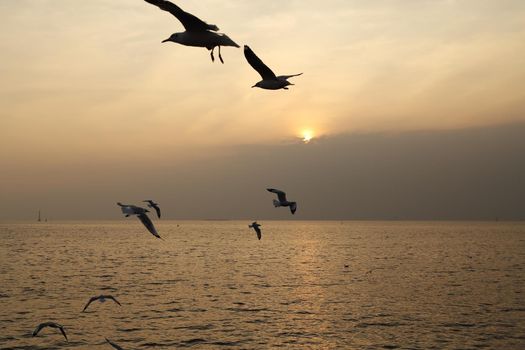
129	209
256	226
269	80
152	204
118	347
101	298
282	202
51	325
198	33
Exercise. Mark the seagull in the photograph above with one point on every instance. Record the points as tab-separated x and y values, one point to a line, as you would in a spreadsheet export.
153	205
198	33
130	209
52	325
269	80
101	298
114	345
282	202
256	226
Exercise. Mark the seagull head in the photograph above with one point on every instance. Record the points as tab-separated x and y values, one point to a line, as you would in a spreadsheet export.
173	37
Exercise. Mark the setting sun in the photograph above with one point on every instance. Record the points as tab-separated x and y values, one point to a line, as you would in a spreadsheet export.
307	136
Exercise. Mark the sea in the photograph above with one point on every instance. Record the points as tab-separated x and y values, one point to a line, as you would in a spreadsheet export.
304	285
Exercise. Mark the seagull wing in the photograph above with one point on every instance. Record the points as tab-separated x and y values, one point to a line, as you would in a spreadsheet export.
280	194
62	331
157	209
149	224
293	207
189	21
258	231
113	344
89	302
114	299
257	64
39	328
286	77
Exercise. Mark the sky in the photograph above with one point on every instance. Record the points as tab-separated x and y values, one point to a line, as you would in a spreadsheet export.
94	109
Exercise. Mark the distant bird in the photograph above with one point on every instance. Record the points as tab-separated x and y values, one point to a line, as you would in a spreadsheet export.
269	80
130	209
52	325
102	299
256	226
114	345
282	202
153	205
198	33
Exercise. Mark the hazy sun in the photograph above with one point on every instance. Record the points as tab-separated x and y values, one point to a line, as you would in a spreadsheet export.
307	136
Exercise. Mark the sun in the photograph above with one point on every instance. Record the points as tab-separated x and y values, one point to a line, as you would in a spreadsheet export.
307	135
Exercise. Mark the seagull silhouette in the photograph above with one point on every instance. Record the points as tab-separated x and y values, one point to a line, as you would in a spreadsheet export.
198	33
269	80
282	202
101	298
256	226
130	209
152	204
51	325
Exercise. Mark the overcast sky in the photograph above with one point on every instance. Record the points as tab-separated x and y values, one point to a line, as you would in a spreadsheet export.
94	109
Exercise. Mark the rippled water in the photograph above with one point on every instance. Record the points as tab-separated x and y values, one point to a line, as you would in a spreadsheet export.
211	285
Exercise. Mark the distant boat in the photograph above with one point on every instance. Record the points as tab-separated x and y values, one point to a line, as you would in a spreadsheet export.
39	218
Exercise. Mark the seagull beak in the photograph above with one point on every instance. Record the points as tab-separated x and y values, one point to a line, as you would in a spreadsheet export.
254	86
163	41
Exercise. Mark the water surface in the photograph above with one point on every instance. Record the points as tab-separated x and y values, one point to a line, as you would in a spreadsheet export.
213	285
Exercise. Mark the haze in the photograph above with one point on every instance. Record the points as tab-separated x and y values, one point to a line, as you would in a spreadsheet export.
416	108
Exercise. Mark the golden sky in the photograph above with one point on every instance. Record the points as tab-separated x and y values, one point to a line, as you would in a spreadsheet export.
90	82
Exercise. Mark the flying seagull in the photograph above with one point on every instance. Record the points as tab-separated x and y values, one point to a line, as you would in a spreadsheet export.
114	345
256	226
152	204
101	298
269	80
130	209
52	325
282	202
198	33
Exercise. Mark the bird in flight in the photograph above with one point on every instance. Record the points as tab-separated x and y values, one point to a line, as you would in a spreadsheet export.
101	298
129	209
269	80
282	201
51	325
198	33
114	345
152	204
256	226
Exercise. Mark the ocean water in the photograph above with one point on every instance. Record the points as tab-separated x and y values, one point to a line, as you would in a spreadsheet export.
305	285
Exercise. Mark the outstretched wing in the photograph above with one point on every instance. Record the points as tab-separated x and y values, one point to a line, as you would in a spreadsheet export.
258	231
189	21
113	344
157	209
286	77
149	224
63	332
257	64
114	299
92	299
39	328
280	194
